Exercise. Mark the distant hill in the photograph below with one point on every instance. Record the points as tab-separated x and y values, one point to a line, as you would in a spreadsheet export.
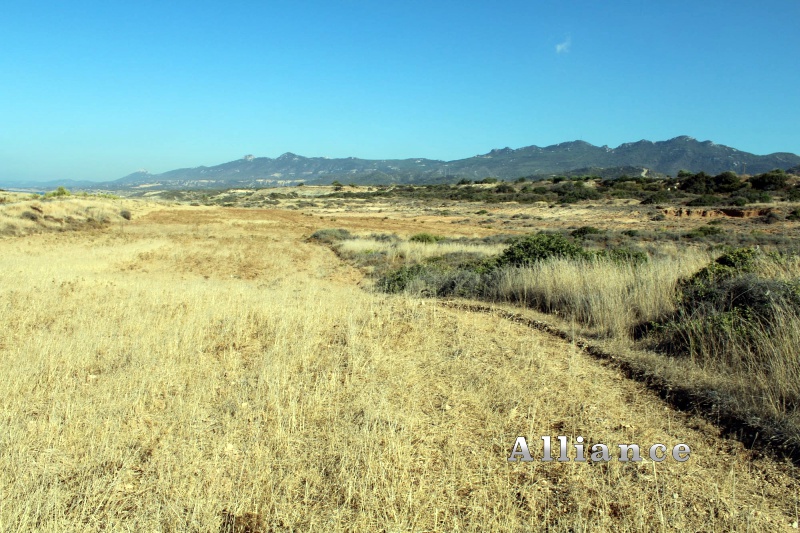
637	158
46	185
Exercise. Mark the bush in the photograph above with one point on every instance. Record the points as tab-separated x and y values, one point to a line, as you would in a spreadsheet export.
398	280
425	238
701	287
706	199
748	197
488	180
127	214
329	236
770	181
726	182
583	231
727	309
540	246
505	188
738	201
660	197
60	192
793	194
704	231
30	215
695	183
702	183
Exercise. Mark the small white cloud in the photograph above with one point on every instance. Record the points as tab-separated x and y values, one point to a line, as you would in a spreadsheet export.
563	48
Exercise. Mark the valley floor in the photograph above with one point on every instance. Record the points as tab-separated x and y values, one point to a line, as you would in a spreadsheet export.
207	369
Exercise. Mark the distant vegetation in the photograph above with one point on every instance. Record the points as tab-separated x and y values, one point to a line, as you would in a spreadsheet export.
701	189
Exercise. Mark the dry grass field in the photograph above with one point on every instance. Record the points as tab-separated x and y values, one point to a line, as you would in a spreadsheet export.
212	369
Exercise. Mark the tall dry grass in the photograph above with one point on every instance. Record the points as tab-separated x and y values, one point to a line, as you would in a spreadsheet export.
609	296
64	214
409	252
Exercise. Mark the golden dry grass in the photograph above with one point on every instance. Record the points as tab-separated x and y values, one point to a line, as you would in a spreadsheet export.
414	252
605	295
208	364
26	216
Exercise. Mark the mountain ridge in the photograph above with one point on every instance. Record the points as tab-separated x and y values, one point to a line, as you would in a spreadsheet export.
567	158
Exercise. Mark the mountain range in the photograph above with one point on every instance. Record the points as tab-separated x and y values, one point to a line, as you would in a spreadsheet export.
568	158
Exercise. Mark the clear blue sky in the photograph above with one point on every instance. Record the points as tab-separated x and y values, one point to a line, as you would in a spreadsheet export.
96	90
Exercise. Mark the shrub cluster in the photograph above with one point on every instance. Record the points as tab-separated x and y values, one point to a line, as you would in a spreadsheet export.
470	276
330	236
427	238
725	308
702	183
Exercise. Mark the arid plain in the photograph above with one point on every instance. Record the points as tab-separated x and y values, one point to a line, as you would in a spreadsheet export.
206	368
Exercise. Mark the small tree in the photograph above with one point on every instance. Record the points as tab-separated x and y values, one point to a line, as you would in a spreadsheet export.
770	181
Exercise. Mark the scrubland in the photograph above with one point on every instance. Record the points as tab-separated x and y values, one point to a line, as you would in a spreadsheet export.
211	369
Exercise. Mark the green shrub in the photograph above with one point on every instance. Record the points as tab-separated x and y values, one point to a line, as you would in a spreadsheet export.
659	197
749	196
583	231
60	192
725	308
329	236
793	194
425	238
704	200
704	231
540	246
770	181
702	286
702	183
398	280
738	201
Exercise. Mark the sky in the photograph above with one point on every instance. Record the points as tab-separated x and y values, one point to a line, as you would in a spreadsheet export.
97	90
